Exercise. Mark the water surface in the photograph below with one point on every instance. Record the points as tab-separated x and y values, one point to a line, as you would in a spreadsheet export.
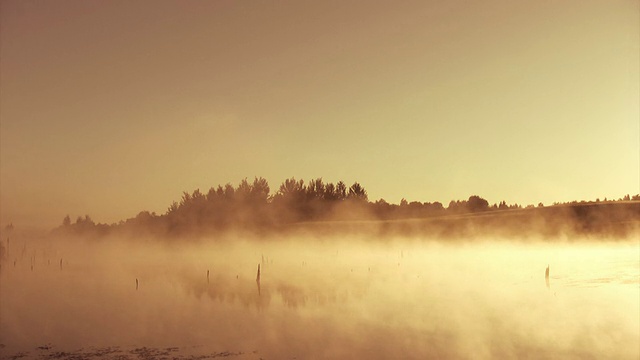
338	298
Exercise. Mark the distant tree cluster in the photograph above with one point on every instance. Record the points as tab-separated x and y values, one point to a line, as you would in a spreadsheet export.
82	225
251	206
624	198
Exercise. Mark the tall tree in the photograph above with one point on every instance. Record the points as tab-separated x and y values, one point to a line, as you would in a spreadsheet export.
341	190
260	190
357	192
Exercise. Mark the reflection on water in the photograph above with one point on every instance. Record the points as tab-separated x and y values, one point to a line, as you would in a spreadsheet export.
340	299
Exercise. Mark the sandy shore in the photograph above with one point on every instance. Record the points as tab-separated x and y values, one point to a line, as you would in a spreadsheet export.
49	351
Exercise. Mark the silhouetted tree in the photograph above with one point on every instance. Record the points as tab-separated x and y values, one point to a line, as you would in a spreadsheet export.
341	190
229	192
476	203
357	192
330	192
260	190
197	196
454	206
186	199
316	189
143	219
212	195
292	189
173	207
382	209
291	200
243	191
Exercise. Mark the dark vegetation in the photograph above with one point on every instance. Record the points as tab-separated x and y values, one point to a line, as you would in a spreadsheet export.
328	208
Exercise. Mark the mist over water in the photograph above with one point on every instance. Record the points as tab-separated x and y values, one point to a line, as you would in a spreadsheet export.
329	298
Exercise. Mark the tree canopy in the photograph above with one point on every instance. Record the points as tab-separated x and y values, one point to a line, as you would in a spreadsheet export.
251	206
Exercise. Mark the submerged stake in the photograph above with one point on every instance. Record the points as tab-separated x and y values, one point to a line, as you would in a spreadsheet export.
546	277
258	280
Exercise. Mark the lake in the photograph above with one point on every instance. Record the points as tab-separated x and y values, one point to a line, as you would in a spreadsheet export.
320	298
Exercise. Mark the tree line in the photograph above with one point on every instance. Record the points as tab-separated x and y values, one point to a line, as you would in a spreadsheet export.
251	206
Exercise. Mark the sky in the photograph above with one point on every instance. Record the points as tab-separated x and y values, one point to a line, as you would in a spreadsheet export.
109	108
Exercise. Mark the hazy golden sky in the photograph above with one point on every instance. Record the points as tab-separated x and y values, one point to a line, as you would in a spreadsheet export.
113	107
